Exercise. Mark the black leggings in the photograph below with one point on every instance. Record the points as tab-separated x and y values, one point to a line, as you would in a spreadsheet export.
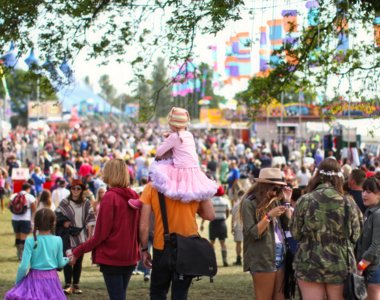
72	273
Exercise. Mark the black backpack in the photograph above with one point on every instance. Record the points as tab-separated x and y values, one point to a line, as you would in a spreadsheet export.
18	205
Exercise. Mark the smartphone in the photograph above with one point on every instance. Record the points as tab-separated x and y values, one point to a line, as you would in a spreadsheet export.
286	204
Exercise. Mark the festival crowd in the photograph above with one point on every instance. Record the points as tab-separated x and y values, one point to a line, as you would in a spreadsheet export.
302	218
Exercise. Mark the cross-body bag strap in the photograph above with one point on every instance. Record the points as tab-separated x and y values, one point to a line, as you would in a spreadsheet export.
346	231
164	217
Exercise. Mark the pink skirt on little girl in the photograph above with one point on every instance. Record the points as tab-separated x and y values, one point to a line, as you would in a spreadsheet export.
184	184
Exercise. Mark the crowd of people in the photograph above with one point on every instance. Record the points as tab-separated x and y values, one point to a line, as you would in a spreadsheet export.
102	181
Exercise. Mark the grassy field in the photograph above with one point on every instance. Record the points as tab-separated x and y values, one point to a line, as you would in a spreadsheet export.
230	282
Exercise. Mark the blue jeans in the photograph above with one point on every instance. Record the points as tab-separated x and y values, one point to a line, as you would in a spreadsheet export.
161	279
117	284
373	276
279	252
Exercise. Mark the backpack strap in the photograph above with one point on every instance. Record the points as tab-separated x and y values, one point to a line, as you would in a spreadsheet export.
164	216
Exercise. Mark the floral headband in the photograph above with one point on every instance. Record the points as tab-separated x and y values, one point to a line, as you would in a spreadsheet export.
331	173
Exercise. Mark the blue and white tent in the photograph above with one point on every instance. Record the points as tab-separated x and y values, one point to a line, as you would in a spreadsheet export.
81	96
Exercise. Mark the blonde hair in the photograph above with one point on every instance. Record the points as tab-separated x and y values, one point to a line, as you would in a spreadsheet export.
115	173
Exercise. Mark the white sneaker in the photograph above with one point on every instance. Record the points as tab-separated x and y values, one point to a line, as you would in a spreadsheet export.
147	277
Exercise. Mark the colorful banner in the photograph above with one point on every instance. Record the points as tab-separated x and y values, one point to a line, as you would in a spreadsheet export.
313	21
263	51
275	38
238	57
185	80
376	30
291	33
213	116
353	109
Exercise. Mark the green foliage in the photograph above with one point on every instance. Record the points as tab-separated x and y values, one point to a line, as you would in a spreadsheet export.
106	29
161	92
22	88
108	91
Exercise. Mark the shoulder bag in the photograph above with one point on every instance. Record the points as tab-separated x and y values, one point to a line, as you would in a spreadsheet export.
354	284
188	256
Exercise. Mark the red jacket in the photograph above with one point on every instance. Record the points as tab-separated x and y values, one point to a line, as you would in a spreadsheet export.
115	241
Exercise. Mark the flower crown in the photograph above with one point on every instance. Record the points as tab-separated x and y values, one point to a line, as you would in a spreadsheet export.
331	173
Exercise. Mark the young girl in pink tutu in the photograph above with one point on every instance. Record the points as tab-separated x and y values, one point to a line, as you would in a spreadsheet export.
43	254
180	177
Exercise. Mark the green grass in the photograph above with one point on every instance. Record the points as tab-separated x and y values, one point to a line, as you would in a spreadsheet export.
230	282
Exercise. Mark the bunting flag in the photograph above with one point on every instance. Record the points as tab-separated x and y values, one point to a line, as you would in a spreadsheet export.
238	57
9	59
275	38
376	30
291	33
341	27
185	80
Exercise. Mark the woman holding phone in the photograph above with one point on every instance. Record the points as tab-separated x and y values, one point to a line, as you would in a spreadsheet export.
265	212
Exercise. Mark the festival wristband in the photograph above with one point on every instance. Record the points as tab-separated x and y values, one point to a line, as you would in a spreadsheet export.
362	265
268	218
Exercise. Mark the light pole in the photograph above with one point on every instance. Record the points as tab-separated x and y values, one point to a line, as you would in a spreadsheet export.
33	66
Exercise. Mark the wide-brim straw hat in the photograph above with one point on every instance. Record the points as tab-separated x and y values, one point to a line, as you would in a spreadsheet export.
270	175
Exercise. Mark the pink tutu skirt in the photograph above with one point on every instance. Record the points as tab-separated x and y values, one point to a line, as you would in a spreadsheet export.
184	184
37	285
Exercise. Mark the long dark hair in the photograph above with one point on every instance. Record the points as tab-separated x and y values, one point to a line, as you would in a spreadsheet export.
328	172
44	220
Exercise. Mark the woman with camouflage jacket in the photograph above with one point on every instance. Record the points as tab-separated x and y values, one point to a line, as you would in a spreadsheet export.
318	226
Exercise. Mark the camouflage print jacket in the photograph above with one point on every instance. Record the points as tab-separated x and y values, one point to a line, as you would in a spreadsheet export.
318	226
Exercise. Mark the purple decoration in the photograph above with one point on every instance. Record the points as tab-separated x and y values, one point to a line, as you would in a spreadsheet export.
234	71
312	4
235	47
290	40
263	65
288	13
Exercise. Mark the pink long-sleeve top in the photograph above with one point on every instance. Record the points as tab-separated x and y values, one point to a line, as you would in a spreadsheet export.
184	154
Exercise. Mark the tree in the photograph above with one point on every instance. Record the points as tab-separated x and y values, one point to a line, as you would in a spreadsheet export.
161	93
205	70
105	28
22	88
108	91
143	96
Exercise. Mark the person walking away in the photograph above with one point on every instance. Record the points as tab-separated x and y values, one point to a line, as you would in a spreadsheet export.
181	220
22	220
233	181
237	228
355	183
39	180
45	201
319	228
37	277
75	222
181	177
368	247
115	242
265	215
60	193
218	227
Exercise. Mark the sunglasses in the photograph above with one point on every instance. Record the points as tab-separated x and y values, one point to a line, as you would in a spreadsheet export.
76	188
278	189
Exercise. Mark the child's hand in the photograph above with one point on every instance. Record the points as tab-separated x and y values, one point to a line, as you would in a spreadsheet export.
166	134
